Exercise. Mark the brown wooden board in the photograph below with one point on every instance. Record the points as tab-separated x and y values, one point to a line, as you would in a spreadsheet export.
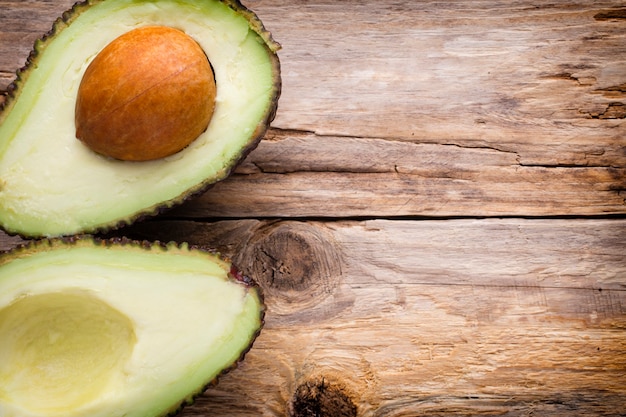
436	217
392	109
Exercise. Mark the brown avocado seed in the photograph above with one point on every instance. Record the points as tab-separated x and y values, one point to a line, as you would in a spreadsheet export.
147	95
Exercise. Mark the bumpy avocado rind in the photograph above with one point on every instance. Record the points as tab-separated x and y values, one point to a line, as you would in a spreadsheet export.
52	185
118	328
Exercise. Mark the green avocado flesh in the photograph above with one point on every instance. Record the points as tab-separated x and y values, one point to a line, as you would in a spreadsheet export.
51	184
94	328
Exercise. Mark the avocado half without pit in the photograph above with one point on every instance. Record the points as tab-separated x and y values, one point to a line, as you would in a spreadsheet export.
118	328
126	108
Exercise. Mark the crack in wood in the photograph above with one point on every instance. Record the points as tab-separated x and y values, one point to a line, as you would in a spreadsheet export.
273	134
615	110
621	88
615	14
581	81
569	165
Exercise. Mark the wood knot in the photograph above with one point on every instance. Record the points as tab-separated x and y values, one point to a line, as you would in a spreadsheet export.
319	398
297	264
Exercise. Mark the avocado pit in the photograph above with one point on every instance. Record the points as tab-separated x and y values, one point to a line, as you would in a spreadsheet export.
147	95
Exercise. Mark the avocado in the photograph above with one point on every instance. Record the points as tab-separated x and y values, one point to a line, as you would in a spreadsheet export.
54	184
92	327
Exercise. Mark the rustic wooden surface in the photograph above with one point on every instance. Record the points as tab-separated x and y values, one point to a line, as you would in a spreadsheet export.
437	217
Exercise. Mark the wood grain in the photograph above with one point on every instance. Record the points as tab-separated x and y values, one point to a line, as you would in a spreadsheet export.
477	71
404	318
436	216
304	175
499	108
484	108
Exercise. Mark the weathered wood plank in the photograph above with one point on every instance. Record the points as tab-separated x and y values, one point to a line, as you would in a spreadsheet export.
399	318
479	71
567	253
294	175
21	23
478	108
525	103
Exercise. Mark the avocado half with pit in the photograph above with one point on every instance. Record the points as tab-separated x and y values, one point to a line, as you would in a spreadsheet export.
129	107
118	328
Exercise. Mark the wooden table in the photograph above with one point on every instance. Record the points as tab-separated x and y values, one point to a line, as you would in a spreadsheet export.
437	216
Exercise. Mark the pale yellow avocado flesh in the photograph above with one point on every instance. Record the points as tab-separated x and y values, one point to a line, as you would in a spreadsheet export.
51	184
61	350
89	330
